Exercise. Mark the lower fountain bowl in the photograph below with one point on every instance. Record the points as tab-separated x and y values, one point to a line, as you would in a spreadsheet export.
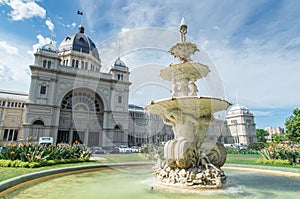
136	182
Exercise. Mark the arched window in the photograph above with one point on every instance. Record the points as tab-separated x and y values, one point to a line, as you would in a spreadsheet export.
118	133
73	63
82	101
86	65
37	129
76	65
38	122
82	64
49	64
44	63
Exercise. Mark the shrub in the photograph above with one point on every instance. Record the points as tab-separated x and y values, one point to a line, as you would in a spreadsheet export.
282	151
273	162
150	151
25	154
5	163
256	146
34	164
231	150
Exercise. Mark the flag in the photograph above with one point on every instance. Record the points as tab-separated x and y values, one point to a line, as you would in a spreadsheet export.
79	12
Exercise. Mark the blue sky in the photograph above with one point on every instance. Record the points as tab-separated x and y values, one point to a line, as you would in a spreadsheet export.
254	45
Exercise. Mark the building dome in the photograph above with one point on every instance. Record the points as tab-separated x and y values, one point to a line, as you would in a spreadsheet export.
79	42
238	109
49	48
119	63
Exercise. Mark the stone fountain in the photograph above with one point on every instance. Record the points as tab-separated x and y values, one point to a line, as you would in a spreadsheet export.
191	159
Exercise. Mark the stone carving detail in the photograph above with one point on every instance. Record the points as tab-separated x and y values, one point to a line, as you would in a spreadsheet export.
204	176
183	51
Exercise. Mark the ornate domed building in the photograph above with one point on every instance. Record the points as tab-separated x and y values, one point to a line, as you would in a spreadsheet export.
71	100
240	123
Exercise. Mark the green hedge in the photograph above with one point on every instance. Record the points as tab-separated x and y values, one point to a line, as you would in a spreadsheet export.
256	146
231	150
272	162
18	163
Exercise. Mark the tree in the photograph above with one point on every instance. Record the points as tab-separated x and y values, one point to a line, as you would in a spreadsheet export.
292	125
277	137
261	135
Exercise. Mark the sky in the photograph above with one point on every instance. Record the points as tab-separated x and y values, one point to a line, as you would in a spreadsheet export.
251	47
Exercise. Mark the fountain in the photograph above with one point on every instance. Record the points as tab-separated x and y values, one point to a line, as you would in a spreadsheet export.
192	159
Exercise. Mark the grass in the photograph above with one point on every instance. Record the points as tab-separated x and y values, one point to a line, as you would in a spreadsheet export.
11	172
115	158
242	159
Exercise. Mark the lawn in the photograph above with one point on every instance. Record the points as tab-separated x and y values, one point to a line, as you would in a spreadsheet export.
242	159
11	172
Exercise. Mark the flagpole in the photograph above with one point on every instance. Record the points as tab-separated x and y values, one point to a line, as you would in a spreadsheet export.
82	19
80	13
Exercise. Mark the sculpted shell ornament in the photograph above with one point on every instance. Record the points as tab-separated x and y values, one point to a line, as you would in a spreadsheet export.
183	51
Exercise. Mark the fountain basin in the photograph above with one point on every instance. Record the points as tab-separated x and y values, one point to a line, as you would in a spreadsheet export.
189	105
192	71
136	182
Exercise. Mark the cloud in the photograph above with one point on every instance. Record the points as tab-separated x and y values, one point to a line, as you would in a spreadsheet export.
22	9
72	25
8	49
41	42
258	74
49	24
253	44
14	62
5	73
295	42
262	113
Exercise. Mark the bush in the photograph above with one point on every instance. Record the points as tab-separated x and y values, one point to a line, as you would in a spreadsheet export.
231	150
150	151
282	151
34	164
256	146
5	163
33	155
273	162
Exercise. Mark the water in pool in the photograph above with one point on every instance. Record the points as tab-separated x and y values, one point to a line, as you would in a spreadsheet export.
136	183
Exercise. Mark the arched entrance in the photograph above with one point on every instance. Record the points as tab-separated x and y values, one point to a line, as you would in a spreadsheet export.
37	130
81	118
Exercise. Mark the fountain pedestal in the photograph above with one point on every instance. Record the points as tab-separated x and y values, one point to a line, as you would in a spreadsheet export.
190	161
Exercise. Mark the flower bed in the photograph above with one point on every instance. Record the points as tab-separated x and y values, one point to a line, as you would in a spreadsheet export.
33	155
282	151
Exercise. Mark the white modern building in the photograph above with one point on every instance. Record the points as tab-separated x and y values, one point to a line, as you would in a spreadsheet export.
273	131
